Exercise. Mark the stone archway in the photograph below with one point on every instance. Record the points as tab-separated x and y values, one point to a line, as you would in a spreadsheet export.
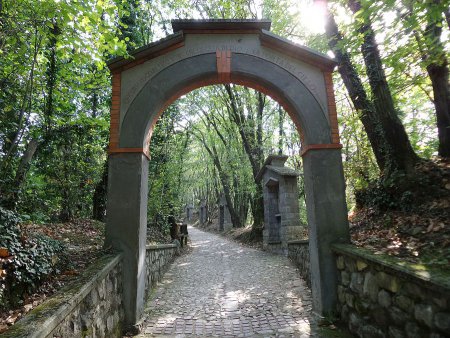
207	52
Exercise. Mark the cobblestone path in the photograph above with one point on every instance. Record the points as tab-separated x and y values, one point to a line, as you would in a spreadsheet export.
226	290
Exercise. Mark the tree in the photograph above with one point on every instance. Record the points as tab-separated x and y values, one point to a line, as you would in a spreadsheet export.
434	60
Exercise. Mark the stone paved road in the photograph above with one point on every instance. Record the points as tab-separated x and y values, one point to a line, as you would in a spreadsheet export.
224	289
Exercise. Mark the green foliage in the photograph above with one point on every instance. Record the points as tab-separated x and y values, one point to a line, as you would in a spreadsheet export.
33	258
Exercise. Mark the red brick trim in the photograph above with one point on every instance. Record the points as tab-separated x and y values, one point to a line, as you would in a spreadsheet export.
115	112
129	150
309	147
332	113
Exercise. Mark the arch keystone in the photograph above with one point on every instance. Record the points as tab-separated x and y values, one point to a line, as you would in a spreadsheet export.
223	58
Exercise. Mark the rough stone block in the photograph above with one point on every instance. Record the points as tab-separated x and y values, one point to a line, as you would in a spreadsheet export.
442	321
437	335
380	316
413	330
398	316
441	302
369	331
370	287
395	332
362	307
361	265
340	263
357	282
384	298
387	281
405	303
349	299
345	278
345	312
350	264
341	293
354	322
414	291
423	313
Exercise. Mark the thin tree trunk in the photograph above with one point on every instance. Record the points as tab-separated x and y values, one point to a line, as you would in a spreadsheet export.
100	196
51	74
280	130
252	142
12	198
26	104
400	154
224	179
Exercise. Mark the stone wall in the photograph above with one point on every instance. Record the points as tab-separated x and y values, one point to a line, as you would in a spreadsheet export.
382	296
298	252
91	306
158	258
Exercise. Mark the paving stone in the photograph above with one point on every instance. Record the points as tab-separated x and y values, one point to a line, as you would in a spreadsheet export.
224	289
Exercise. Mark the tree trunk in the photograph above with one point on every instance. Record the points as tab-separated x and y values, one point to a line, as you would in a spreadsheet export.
235	219
252	141
357	93
100	195
224	180
400	155
12	196
439	75
51	74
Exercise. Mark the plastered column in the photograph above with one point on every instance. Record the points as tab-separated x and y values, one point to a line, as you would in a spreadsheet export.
127	225
327	219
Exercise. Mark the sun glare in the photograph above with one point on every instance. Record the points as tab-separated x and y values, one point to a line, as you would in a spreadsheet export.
312	15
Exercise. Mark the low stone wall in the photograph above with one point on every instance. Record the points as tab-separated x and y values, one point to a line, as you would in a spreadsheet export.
158	258
298	252
381	296
89	307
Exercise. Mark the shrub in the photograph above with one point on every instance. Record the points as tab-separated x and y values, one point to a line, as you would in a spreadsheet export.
32	259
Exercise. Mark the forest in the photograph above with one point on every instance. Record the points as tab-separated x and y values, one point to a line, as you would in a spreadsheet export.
392	93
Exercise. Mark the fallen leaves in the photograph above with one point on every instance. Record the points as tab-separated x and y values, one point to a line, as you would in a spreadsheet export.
4	252
84	239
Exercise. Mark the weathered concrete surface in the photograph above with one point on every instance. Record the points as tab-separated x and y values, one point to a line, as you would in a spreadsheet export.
327	219
127	225
227	290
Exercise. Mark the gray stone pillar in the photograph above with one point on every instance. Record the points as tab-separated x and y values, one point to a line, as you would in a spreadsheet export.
126	225
327	219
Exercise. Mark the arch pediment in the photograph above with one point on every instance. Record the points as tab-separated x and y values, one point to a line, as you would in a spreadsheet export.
240	51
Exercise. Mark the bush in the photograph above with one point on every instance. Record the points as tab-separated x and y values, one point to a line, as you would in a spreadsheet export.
32	259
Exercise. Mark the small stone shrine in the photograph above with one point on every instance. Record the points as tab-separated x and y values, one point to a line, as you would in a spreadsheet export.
224	215
203	211
189	208
281	208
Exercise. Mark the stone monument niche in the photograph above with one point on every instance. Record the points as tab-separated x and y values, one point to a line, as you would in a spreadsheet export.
225	223
189	209
281	207
203	212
